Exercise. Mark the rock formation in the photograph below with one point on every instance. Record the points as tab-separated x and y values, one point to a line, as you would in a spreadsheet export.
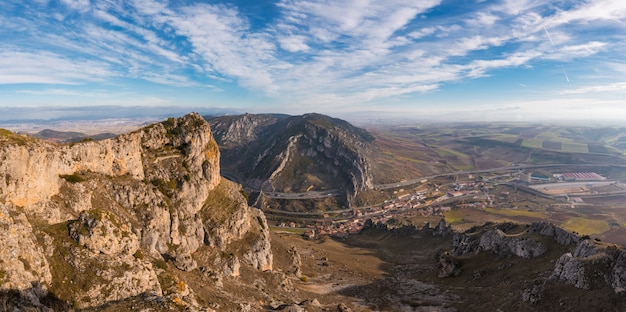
94	222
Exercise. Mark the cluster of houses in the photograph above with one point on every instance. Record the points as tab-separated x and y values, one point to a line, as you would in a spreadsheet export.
406	204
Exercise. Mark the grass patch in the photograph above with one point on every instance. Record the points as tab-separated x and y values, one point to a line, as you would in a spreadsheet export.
448	152
14	138
72	178
585	226
532	143
221	203
505	138
575	147
516	213
277	229
454	216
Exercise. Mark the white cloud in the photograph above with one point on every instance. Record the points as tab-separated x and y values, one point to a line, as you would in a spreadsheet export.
293	43
79	5
48	68
612	87
423	32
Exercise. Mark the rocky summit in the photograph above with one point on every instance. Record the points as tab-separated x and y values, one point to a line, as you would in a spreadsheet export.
86	224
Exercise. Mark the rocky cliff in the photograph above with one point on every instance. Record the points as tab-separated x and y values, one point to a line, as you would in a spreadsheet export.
95	222
279	153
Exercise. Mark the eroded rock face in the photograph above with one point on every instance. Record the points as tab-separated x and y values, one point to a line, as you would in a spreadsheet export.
497	242
585	248
23	265
448	266
559	234
463	244
107	211
98	231
616	278
570	270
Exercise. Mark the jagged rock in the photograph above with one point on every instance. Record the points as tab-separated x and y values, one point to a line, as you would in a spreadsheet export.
533	294
259	255
464	245
342	307
559	234
616	277
448	266
119	279
296	262
497	242
185	262
23	265
151	193
585	248
101	232
442	229
229	265
570	270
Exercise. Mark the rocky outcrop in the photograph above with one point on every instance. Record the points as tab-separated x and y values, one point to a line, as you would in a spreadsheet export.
616	277
296	262
559	234
100	232
448	266
442	229
23	263
112	214
570	270
499	243
463	244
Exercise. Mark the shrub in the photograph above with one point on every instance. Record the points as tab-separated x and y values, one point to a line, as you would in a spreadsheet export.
72	178
161	264
138	254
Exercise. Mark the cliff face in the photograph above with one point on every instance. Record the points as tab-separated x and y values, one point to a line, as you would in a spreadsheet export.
294	153
93	222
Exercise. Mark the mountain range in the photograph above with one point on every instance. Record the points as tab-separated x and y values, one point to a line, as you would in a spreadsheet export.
144	221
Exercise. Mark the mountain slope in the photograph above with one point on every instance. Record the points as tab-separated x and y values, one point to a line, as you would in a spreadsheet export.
95	222
279	153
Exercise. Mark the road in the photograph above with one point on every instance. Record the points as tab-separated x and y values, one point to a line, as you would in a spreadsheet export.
447	174
336	192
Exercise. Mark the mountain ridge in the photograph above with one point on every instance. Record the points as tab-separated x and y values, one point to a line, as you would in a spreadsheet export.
279	153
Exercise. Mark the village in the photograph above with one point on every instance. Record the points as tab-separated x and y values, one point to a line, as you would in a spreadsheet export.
435	198
432	198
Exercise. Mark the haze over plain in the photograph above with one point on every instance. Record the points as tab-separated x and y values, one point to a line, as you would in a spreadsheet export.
470	60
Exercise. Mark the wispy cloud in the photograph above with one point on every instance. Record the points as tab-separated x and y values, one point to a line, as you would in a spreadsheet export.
48	68
334	52
612	87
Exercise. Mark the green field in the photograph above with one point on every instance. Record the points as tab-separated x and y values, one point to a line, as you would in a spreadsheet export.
517	213
585	226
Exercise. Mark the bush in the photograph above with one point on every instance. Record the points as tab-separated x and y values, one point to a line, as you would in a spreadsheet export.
138	254
161	264
72	178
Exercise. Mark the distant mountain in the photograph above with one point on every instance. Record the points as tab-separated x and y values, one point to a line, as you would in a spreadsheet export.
70	136
281	153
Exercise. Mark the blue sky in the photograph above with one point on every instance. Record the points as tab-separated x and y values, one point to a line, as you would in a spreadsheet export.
483	60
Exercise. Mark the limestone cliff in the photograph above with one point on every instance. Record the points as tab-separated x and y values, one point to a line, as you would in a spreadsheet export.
98	221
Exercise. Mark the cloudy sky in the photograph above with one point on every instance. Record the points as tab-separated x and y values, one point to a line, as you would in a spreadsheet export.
483	59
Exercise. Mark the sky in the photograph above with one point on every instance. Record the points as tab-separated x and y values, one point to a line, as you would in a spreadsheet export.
460	59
